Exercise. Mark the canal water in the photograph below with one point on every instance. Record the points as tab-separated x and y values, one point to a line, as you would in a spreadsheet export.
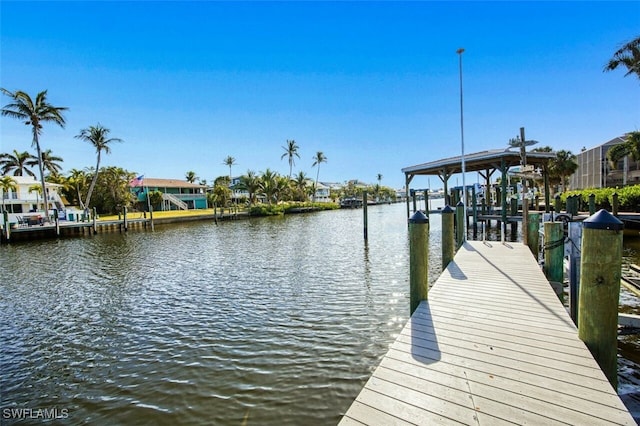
269	321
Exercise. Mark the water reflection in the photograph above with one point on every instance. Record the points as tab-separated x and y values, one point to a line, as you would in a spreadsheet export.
266	321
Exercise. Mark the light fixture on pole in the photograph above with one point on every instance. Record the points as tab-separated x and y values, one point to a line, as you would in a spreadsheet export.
464	187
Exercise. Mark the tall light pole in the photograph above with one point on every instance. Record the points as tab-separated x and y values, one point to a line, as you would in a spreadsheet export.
464	187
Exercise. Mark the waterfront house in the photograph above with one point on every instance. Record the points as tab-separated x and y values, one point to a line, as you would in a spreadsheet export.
323	192
176	194
27	201
238	193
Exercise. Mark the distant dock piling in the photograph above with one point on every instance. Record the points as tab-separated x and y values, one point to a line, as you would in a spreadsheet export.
448	236
365	214
533	233
554	252
7	227
460	218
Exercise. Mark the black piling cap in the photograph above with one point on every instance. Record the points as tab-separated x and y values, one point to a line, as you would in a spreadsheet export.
418	217
603	220
447	209
460	204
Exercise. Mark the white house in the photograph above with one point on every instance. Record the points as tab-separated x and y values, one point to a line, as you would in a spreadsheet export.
26	200
323	192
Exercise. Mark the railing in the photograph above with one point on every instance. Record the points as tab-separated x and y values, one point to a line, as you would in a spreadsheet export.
188	196
33	199
175	200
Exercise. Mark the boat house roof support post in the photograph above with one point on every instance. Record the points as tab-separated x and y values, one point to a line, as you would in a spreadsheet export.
444	177
547	195
407	181
487	188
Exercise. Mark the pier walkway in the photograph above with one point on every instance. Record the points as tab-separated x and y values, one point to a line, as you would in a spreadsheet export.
493	345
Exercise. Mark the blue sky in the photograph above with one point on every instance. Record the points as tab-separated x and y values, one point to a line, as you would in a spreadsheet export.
374	85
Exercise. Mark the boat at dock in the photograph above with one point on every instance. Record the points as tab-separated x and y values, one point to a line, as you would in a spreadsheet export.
350	203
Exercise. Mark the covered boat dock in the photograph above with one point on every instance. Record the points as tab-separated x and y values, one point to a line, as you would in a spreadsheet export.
486	163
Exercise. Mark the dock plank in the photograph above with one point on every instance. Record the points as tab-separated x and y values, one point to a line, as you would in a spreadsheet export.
492	345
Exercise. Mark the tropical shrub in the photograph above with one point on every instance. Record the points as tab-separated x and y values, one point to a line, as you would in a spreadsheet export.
628	198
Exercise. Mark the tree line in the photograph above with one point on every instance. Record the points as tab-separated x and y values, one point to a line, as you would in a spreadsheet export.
108	188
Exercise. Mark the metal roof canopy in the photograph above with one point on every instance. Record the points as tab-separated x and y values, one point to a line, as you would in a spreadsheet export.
484	162
479	161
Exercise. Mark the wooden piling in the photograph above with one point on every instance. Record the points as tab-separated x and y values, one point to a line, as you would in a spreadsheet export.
426	202
459	224
592	204
474	205
557	204
415	204
124	221
615	204
575	205
95	221
600	273
448	236
57	222
364	213
514	212
553	251
7	226
533	233
418	259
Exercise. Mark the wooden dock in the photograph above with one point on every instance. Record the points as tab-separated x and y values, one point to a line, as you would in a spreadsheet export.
493	345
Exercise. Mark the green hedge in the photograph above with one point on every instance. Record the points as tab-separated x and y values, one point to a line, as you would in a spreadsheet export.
628	198
288	207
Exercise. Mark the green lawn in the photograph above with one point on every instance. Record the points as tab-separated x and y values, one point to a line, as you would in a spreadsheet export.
165	214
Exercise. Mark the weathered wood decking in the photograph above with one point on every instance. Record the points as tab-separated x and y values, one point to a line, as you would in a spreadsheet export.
493	345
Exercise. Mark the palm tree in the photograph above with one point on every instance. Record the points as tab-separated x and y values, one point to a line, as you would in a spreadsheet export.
375	189
33	114
628	56
546	170
49	162
229	161
251	183
38	190
7	183
268	185
65	186
96	136
379	178
630	147
114	190
78	180
563	166
291	150
191	176
317	159
18	162
300	185
282	188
